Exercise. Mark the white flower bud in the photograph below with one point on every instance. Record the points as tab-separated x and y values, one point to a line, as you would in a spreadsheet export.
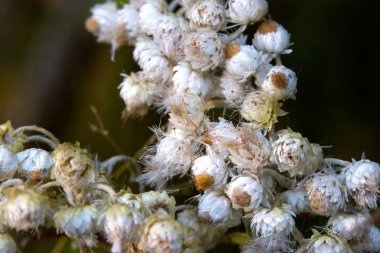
247	11
162	234
261	73
203	49
261	109
327	243
35	164
24	209
362	179
74	168
15	142
8	163
326	194
370	242
282	82
120	223
78	223
138	94
243	61
233	90
7	244
350	226
150	16
272	38
128	17
294	154
130	199
297	200
209	171
245	192
208	14
214	207
158	203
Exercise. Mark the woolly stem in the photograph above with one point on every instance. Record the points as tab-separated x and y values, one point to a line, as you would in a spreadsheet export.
105	188
334	161
48	185
235	35
301	249
278	60
83	247
111	162
173	5
298	236
37	129
280	179
43	139
11	182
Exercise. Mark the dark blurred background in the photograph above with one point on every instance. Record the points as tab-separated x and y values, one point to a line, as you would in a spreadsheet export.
52	71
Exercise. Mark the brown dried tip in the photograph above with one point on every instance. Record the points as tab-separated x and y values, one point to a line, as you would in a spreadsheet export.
279	80
241	197
92	26
231	49
317	203
203	182
267	26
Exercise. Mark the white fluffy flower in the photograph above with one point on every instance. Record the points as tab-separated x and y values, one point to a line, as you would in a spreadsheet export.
233	90
349	225
209	171
7	244
282	82
327	243
243	61
272	38
245	192
162	234
203	49
207	14
8	163
247	11
294	154
150	15
370	242
158	203
129	17
297	200
362	179
326	194
138	94
129	199
35	163
214	207
261	73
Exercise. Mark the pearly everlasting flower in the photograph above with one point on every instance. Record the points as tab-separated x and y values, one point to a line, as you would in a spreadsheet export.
294	154
24	209
129	199
158	203
14	143
233	90
327	243
349	225
297	200
128	16
272	38
282	82
138	94
261	109
120	223
209	171
326	194
150	15
369	243
214	207
203	49
74	168
187	80
7	244
245	192
35	164
247	11
362	180
78	223
251	151
208	14
261	73
272	228
243	61
162	234
8	163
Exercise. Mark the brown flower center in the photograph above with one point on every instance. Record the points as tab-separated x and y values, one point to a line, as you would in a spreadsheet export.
231	49
279	80
268	26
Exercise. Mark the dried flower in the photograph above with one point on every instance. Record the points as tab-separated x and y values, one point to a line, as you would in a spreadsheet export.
35	164
272	38
8	163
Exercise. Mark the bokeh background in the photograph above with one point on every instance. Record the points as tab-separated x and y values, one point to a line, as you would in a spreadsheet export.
52	71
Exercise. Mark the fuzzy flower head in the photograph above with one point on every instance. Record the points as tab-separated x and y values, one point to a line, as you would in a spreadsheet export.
129	199
233	90
24	209
120	223
369	243
138	94
155	202
150	15
8	163
78	223
209	171
203	49
327	243
128	18
326	194
349	225
15	143
35	164
294	154
247	11
282	82
245	192
272	38
261	109
215	208
297	200
208	14
7	244
163	234
74	168
362	179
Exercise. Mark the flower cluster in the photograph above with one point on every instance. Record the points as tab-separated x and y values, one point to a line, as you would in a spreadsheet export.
194	58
